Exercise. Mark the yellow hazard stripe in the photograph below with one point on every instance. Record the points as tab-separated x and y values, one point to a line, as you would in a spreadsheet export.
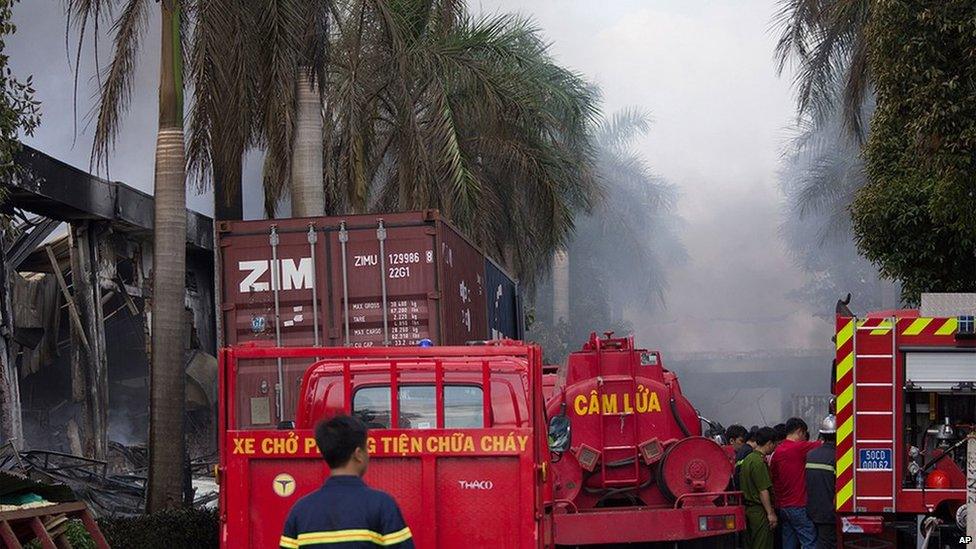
948	327
845	366
845	462
288	543
882	328
845	493
845	334
845	430
845	398
349	536
821	467
917	326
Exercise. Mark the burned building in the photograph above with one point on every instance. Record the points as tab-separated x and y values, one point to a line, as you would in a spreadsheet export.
76	304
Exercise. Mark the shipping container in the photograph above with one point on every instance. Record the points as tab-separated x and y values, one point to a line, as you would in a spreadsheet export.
504	303
352	281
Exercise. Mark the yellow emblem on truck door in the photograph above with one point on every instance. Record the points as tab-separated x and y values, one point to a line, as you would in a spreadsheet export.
284	485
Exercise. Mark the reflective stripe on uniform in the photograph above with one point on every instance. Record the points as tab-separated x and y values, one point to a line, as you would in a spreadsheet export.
821	467
288	543
347	536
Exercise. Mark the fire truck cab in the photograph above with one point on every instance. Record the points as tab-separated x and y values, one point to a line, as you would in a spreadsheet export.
457	437
905	385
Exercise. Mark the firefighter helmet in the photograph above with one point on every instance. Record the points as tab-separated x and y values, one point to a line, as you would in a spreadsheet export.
829	425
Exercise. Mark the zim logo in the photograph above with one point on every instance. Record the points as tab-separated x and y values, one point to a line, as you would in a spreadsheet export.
292	276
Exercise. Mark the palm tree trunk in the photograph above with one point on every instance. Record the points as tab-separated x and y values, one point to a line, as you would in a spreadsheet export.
166	443
307	185
228	198
560	287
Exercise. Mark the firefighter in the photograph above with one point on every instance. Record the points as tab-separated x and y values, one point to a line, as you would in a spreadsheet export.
757	489
820	484
345	513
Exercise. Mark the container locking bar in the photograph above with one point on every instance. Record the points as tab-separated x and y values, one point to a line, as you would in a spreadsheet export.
275	285
381	236
312	239
343	239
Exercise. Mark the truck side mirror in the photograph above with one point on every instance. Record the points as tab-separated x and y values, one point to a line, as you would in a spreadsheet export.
559	434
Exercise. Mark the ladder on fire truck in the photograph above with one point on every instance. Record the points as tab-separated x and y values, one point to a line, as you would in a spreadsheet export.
624	449
866	385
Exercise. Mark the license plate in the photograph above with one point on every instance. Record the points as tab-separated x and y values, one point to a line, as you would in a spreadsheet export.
874	458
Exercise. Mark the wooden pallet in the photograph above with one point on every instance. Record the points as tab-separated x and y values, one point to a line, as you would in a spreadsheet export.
33	520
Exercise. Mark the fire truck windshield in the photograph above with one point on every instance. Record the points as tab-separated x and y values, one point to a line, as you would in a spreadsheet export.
462	406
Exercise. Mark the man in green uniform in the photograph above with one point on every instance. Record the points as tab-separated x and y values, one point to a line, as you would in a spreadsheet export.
756	486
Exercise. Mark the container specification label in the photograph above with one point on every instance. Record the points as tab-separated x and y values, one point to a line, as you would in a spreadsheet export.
407	321
874	459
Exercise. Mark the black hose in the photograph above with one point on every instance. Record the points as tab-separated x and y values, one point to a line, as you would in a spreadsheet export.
944	453
677	417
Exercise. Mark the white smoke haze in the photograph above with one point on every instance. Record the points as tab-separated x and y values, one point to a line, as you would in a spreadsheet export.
704	70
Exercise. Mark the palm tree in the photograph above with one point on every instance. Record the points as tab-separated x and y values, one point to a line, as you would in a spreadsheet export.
428	107
253	68
827	41
621	251
165	483
823	170
307	178
637	216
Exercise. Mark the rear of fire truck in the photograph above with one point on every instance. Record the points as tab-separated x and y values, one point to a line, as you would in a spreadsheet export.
905	383
457	437
629	462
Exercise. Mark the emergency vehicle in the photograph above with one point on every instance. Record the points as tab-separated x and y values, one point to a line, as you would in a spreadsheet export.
459	437
905	386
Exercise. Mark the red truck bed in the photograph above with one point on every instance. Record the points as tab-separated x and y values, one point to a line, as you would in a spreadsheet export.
461	449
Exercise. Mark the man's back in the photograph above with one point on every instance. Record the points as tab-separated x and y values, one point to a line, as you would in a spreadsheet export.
753	478
345	514
787	467
820	484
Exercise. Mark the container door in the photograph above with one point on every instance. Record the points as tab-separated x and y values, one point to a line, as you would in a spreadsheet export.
382	284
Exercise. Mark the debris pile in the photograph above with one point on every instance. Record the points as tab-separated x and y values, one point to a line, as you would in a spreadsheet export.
112	488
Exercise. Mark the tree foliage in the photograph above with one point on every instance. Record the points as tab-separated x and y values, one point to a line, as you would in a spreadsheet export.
826	42
620	254
19	111
822	171
916	217
428	106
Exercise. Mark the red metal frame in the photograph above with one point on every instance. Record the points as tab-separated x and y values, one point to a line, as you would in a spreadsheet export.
248	514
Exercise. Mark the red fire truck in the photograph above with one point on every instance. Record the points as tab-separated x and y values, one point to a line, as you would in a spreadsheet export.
459	438
905	386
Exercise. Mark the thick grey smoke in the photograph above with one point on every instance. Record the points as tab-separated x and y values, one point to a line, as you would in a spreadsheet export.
704	70
733	327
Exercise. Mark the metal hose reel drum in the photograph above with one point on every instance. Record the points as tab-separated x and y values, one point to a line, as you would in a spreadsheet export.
693	465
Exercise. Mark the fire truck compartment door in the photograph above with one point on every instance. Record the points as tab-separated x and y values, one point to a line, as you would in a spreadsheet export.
940	371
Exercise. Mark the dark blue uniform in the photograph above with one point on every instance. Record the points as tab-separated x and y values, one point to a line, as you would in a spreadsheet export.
346	514
821	476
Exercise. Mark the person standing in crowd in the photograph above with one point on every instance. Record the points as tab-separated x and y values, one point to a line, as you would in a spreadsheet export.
749	444
788	466
735	435
821	486
756	488
780	430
